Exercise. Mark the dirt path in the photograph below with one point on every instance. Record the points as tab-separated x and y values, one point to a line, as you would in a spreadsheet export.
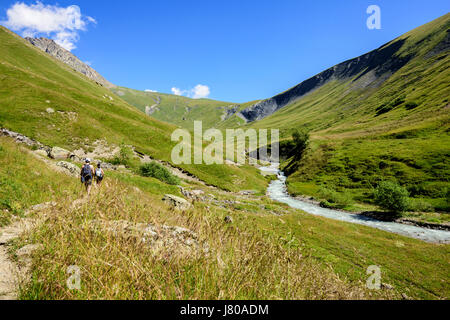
10	273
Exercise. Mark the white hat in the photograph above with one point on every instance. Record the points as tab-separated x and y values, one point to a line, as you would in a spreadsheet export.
88	160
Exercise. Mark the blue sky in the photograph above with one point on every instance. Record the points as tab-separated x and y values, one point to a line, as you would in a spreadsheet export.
241	50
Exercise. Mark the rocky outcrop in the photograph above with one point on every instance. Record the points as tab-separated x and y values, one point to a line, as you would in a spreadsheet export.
196	195
368	70
70	167
51	47
229	111
177	202
170	240
19	138
58	153
149	110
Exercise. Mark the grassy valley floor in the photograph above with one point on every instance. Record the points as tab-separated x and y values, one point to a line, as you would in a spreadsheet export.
269	251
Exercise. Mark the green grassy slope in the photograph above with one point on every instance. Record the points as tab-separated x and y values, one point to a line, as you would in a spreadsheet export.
178	110
397	131
293	255
32	81
25	181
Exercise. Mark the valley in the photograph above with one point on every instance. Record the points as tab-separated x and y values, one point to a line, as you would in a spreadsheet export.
161	230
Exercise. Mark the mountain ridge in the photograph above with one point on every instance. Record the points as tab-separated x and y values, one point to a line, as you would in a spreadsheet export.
52	48
370	69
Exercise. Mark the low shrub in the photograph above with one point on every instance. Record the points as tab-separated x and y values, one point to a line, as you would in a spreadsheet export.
155	170
391	196
335	199
124	157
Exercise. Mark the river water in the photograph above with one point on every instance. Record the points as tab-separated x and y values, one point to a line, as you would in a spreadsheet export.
277	191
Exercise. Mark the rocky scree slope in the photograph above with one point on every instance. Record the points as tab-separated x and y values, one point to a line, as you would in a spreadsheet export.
52	48
370	70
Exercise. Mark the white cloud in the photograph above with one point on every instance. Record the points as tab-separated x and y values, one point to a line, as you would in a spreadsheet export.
198	92
149	90
177	91
90	19
62	24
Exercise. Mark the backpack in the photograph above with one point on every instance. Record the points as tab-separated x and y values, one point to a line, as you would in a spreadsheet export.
98	173
87	172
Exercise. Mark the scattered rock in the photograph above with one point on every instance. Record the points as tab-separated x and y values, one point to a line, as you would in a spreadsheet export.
41	152
71	116
53	49
97	149
405	297
228	219
162	240
58	153
50	110
197	192
26	251
19	138
73	157
193	194
229	111
387	286
42	206
149	110
73	169
247	192
177	202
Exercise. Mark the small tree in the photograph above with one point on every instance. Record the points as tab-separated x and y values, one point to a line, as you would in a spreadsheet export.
301	141
124	157
391	196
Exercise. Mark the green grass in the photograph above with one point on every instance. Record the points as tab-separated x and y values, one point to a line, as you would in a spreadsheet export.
155	170
260	255
413	267
178	110
25	181
292	256
32	81
398	131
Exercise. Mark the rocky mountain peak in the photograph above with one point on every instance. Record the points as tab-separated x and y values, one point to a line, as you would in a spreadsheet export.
51	47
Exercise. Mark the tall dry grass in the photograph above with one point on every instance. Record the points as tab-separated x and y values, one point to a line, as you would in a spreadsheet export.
239	264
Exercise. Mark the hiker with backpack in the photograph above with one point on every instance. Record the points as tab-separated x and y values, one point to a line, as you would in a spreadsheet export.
99	174
87	175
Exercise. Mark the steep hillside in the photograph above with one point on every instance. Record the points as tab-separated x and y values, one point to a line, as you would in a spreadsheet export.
367	73
179	110
51	47
384	115
47	100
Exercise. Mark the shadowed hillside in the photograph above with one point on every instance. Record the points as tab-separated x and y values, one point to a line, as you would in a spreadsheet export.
382	116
